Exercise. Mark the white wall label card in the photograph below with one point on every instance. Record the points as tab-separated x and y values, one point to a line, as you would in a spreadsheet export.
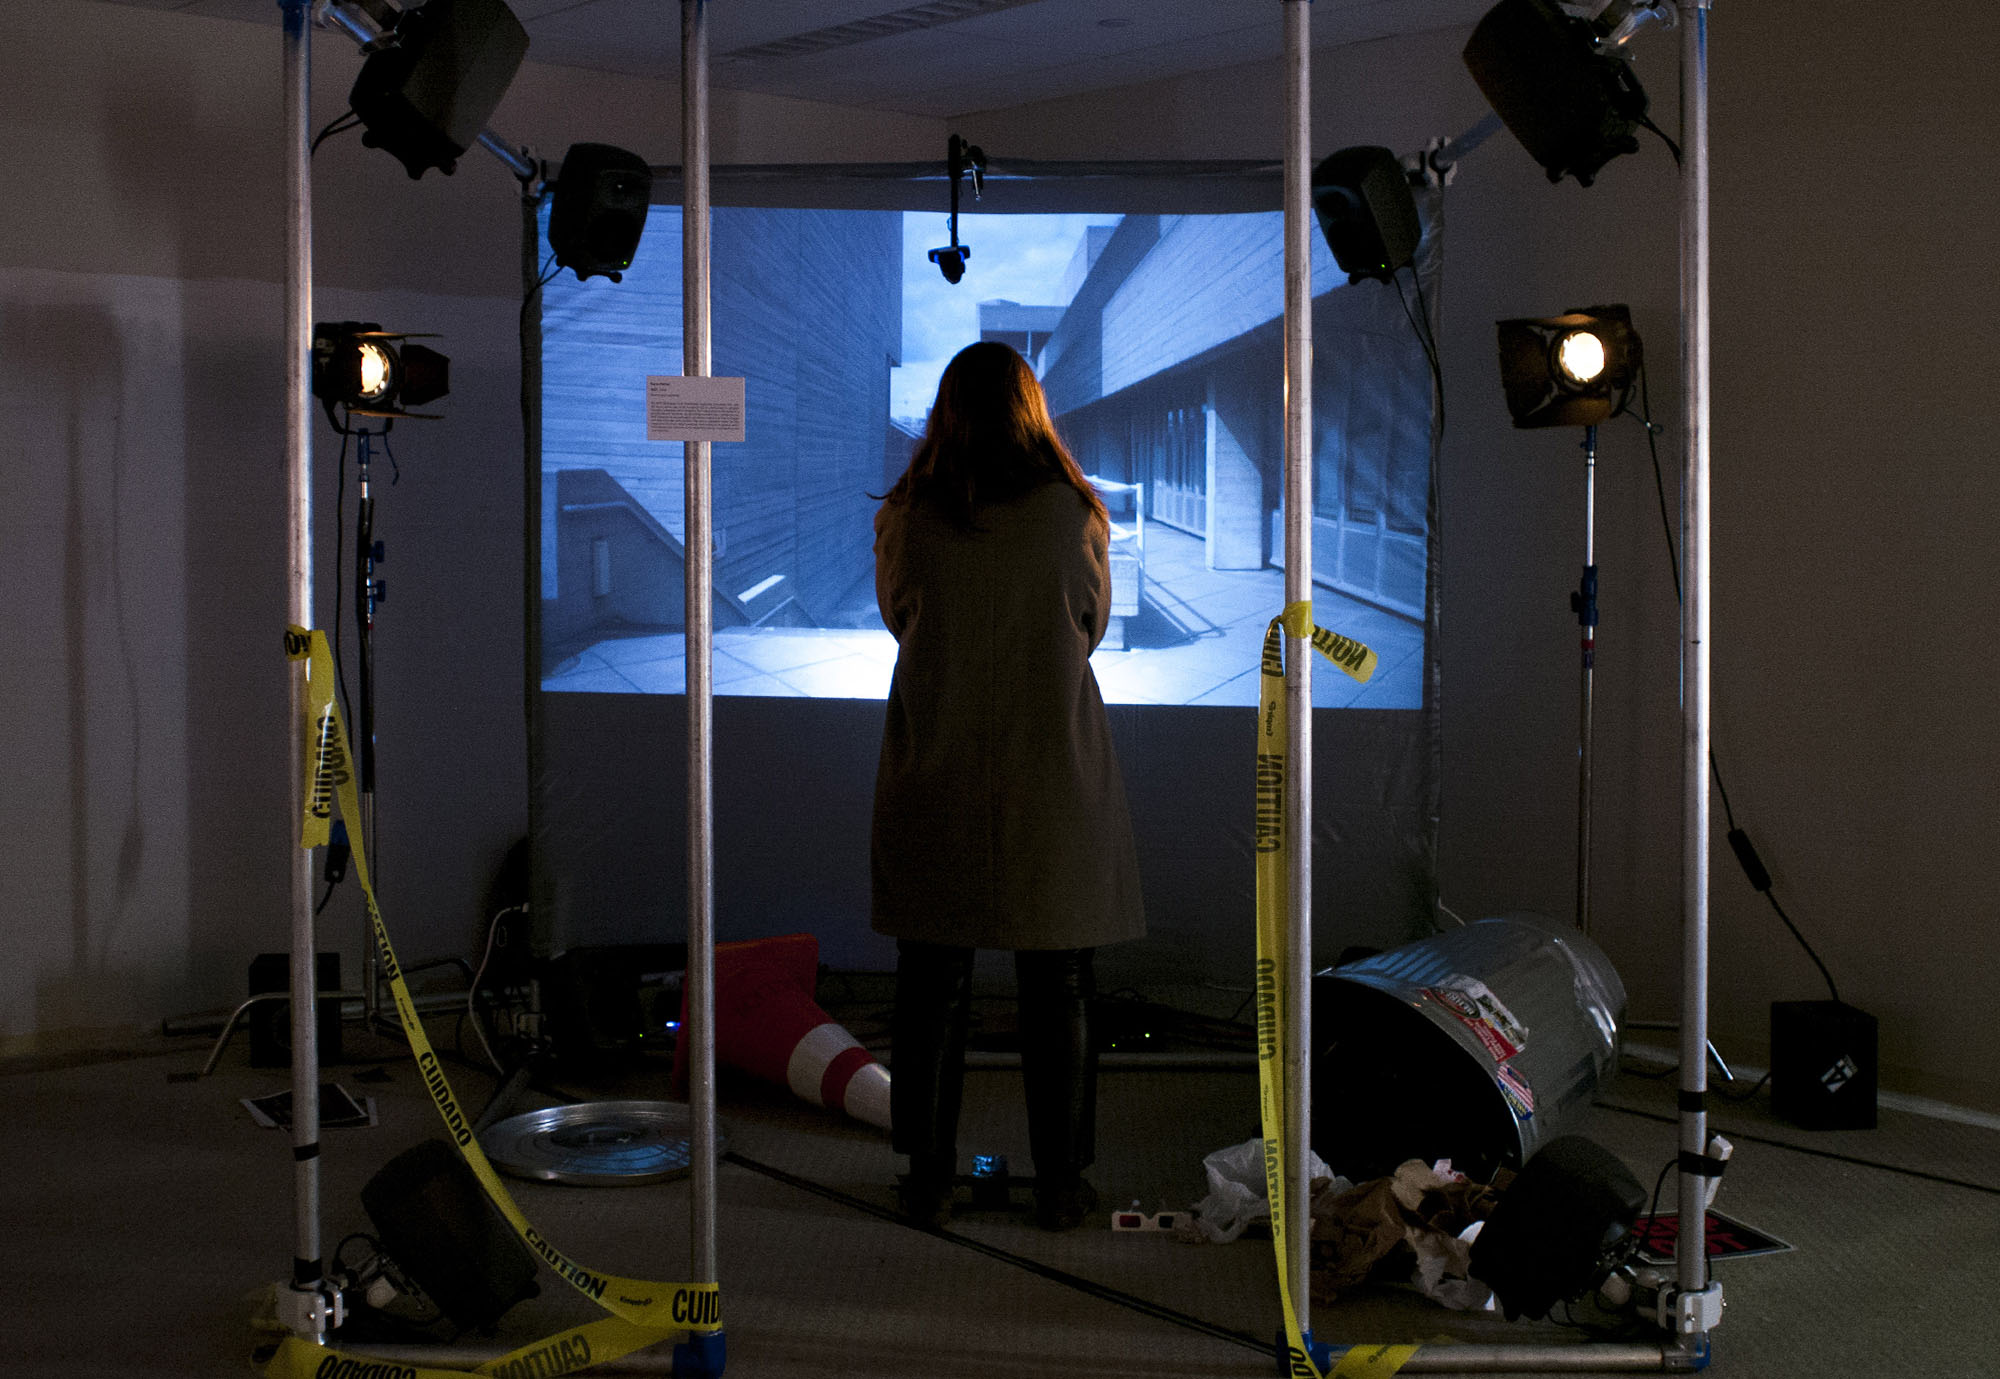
679	408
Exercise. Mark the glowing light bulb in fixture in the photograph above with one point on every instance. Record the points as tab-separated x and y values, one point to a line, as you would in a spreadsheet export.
1580	355
375	371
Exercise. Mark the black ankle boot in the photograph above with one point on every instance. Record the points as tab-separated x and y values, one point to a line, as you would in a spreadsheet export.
1063	1204
923	1195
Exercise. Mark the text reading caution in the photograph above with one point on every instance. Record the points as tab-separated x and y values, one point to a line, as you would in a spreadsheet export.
679	408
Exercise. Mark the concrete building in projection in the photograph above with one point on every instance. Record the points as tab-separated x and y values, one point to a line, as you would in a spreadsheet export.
808	308
1163	367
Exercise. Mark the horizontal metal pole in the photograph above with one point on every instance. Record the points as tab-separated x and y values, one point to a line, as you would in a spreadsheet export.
1138	1060
1430	1359
517	160
1491	1359
656	1360
353	1010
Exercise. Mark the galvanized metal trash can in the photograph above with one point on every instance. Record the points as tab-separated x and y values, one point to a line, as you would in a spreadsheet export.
1478	1045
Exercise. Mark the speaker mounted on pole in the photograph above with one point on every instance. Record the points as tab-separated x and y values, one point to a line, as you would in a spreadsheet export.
427	91
599	212
1367	212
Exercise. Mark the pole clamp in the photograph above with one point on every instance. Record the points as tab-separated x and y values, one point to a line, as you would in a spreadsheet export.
1696	1313
313	1309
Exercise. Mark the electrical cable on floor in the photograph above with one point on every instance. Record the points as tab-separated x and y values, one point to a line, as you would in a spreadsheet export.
1761	1083
1102	1292
1744	1136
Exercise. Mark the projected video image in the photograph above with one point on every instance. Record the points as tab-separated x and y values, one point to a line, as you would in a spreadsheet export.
1159	342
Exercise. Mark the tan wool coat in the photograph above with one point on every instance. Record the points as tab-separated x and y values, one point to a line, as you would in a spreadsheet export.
1000	816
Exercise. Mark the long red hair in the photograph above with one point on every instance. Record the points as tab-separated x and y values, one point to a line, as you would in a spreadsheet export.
989	439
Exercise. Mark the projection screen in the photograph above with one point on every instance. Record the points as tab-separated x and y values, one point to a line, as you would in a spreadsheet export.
1149	300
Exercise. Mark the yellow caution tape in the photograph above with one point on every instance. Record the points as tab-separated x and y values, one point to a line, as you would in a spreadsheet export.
1363	1361
327	766
1358	662
593	1343
643	1312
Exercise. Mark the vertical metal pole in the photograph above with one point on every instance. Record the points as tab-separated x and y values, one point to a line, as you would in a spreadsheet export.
540	888
307	1269
1298	650
700	632
364	719
1693	1266
1586	614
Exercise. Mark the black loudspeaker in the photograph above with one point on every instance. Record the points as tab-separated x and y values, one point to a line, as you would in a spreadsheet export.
442	1230
1366	211
1823	1065
271	1021
1572	108
426	96
1562	1225
599	209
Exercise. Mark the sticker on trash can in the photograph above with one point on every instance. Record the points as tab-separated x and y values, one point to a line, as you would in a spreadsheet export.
1519	1095
1483	1013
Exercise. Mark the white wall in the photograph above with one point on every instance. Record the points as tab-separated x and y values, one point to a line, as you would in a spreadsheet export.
142	496
1853	432
142	492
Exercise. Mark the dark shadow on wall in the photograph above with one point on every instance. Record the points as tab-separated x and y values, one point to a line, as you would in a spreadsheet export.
237	678
67	370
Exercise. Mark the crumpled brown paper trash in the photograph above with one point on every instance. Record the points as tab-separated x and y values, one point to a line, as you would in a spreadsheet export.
1403	1229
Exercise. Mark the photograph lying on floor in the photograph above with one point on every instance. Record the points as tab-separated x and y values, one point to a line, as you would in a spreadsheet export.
1158	340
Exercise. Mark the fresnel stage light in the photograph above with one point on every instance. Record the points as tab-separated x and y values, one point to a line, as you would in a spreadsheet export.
1577	369
366	371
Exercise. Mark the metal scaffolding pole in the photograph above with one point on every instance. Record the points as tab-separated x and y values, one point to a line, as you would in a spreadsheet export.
700	634
1586	617
1700	1301
1298	651
304	1305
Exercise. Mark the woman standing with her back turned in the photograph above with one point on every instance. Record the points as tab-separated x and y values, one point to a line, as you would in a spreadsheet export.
1000	817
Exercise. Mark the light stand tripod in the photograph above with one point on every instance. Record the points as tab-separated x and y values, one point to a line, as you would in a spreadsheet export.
368	592
365	1004
1583	603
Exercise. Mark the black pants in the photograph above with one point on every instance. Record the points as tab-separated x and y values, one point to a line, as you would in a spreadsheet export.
1058	1061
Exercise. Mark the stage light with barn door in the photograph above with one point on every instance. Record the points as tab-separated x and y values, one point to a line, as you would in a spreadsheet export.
1577	369
361	370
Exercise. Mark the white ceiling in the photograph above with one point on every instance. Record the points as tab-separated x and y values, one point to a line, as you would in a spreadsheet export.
931	57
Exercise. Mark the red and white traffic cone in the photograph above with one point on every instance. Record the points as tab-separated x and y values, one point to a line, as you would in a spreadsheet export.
768	1025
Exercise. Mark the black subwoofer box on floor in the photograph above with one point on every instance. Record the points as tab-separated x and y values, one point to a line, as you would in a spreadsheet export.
1823	1065
435	1220
1561	1226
